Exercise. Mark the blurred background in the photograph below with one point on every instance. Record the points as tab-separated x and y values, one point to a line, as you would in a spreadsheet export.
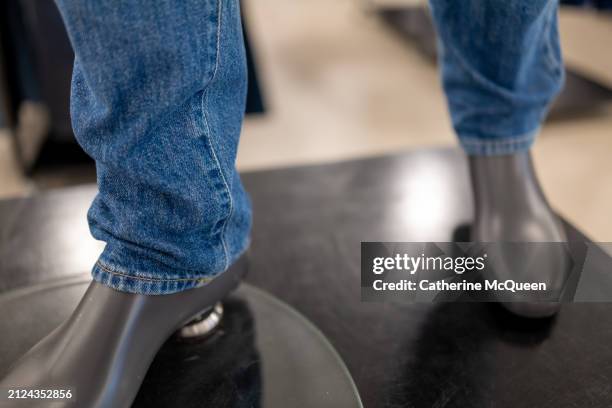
330	80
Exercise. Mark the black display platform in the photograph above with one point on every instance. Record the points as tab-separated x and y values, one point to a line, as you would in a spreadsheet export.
308	225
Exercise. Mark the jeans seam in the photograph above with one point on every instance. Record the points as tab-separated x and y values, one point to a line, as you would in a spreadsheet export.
209	133
478	141
551	57
478	146
149	279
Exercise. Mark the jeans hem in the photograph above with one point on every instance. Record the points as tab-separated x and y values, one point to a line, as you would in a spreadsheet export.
125	282
477	146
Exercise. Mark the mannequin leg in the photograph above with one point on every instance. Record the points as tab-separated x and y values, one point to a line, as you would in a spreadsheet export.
157	100
102	352
510	206
501	67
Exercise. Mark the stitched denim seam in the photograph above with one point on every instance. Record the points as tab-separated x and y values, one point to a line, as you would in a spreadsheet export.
229	191
477	141
148	279
494	143
551	57
107	265
478	146
209	133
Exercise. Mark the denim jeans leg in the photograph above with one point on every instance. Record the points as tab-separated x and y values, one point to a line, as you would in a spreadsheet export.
157	99
501	67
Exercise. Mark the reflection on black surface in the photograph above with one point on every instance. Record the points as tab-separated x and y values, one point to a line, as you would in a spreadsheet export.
460	348
221	371
516	330
462	233
461	353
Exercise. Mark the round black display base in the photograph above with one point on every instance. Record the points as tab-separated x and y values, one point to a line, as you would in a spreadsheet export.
262	354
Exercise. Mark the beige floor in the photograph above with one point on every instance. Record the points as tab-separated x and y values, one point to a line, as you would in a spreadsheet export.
341	88
340	85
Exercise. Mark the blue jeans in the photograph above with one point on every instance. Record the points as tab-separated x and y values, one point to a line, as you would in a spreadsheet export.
158	97
501	67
